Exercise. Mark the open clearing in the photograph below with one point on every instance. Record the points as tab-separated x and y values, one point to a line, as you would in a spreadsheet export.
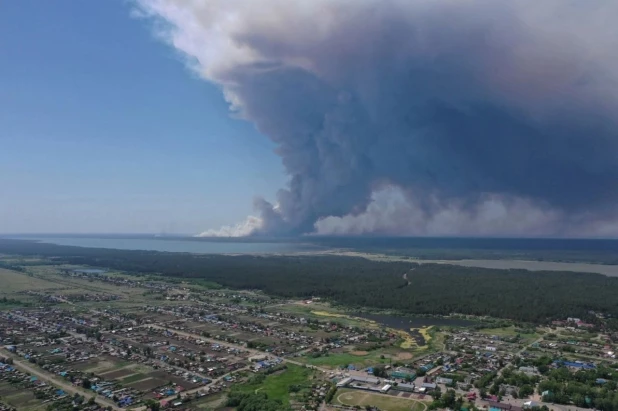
13	282
344	359
510	332
19	398
383	402
276	386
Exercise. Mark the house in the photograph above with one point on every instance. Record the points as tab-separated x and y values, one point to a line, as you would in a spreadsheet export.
405	387
442	380
345	382
528	370
498	406
403	374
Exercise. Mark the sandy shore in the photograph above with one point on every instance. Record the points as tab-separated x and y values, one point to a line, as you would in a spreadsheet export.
505	264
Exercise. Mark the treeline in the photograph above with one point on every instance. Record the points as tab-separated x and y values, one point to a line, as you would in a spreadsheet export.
356	282
13	302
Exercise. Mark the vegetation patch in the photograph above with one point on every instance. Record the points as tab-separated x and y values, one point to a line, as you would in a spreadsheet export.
277	386
133	378
346	359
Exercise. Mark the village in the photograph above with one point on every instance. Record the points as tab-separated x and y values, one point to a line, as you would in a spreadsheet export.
92	339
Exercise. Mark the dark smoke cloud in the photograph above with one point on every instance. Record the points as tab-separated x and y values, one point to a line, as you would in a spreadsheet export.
452	102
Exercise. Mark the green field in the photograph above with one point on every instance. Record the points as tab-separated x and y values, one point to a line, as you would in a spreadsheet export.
511	331
19	398
384	402
343	359
133	378
210	402
276	386
13	282
318	311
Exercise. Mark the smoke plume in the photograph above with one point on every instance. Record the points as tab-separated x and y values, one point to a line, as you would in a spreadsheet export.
457	109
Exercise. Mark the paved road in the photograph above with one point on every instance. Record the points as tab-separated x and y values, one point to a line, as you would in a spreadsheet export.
67	387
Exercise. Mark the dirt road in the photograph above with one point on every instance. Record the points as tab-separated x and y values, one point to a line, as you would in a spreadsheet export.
60	383
226	344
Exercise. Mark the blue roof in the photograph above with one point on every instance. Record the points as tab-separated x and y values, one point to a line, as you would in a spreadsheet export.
587	366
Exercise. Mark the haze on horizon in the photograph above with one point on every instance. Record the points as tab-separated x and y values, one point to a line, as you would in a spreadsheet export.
389	117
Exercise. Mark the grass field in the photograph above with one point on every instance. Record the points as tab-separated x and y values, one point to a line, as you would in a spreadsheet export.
276	386
343	359
19	398
323	311
211	402
510	332
383	402
13	282
133	378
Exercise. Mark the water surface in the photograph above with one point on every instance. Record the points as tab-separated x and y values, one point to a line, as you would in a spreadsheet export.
179	245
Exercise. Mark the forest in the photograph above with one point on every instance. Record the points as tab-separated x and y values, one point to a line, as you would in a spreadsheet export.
359	283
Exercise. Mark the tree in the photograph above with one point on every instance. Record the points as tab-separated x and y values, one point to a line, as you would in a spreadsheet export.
380	371
579	400
153	405
526	390
86	383
449	399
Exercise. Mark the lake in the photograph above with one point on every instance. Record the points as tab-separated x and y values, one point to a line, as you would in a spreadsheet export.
407	323
327	245
179	245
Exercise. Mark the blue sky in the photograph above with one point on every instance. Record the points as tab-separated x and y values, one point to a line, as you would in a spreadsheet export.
104	129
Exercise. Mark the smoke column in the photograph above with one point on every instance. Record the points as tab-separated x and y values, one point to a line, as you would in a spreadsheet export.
418	116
